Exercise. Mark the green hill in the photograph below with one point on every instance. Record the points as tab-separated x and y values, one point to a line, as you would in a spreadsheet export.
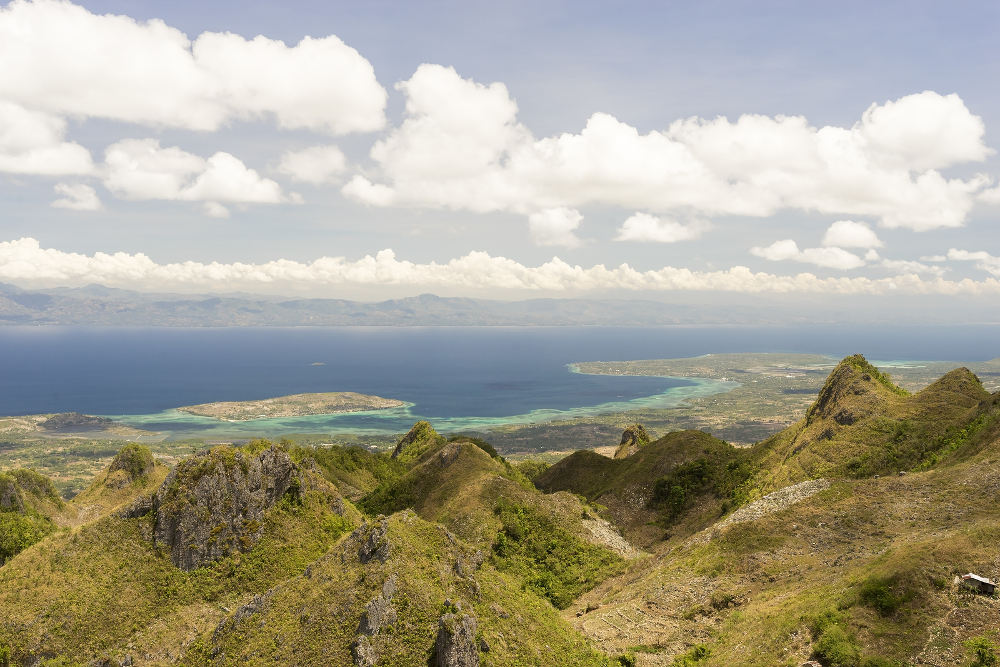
674	486
841	539
863	425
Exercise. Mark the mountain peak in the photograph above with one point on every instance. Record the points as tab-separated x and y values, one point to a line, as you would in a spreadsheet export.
854	389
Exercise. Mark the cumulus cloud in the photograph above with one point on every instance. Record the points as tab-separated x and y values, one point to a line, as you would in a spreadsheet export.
25	262
831	258
646	227
77	197
315	165
140	169
60	58
462	147
31	142
555	226
983	259
850	234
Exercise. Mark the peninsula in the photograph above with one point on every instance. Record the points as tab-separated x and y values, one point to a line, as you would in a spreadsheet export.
294	405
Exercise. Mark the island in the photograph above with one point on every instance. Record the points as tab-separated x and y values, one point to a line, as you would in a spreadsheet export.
294	405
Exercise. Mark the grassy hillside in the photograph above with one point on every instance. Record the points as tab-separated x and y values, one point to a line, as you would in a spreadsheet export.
553	543
676	485
341	603
863	425
862	572
105	589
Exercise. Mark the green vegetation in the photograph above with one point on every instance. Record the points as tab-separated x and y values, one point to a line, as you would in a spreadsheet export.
550	561
696	654
982	650
27	501
19	531
885	594
135	460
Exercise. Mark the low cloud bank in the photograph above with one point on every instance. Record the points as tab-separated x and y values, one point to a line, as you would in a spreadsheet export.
25	262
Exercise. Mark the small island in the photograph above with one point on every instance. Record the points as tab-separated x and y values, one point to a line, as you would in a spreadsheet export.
294	405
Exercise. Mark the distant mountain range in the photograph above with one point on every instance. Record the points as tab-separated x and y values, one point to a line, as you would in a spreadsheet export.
97	305
104	306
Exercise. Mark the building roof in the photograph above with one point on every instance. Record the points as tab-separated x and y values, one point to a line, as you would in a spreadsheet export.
976	577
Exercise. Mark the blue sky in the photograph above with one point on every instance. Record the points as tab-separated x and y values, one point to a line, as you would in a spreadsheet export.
713	147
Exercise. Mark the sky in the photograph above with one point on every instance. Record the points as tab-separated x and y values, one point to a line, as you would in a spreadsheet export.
509	150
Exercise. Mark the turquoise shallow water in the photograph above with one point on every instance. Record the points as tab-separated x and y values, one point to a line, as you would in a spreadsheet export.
397	420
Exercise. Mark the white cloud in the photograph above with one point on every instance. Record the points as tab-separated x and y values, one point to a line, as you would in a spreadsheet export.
226	178
77	197
991	196
983	259
25	262
555	226
646	227
462	147
871	255
214	209
316	165
361	189
61	58
831	258
924	131
140	169
850	234
900	266
934	258
31	142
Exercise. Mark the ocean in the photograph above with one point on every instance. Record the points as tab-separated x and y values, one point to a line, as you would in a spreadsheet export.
458	377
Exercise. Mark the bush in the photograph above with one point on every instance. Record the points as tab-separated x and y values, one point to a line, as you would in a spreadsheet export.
693	656
982	651
836	648
884	594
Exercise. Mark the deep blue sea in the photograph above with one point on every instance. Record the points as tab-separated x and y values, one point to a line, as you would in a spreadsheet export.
458	377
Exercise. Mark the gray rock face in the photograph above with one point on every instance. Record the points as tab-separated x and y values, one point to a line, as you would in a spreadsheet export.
633	437
11	499
379	612
456	644
373	541
211	505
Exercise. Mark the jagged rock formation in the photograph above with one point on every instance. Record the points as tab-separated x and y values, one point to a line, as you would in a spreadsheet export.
378	613
633	437
456	644
418	440
373	540
212	505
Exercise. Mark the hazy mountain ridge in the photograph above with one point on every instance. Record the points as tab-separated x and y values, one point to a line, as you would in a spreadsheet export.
104	306
444	553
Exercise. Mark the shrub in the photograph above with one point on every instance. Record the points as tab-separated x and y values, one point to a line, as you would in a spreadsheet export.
982	650
884	594
693	656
